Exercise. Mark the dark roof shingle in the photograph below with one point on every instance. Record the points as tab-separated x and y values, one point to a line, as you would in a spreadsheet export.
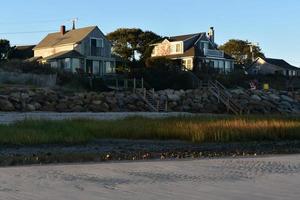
281	63
184	37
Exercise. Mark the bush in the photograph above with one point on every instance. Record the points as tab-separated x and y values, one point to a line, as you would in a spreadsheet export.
27	67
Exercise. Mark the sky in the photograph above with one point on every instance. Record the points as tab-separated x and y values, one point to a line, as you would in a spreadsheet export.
274	24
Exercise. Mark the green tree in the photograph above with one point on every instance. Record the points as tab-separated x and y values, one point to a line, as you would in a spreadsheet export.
148	38
4	49
241	51
127	42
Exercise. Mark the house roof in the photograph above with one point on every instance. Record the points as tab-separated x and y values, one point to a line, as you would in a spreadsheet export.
281	63
22	52
65	54
184	37
24	47
70	37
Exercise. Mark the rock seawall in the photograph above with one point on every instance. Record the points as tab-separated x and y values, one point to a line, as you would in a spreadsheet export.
196	101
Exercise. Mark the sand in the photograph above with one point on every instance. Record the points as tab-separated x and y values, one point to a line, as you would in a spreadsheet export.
275	177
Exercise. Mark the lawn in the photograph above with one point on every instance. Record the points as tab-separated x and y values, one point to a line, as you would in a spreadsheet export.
194	129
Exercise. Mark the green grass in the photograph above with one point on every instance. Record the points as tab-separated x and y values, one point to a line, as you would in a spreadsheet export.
196	129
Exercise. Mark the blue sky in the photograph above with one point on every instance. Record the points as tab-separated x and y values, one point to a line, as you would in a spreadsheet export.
274	24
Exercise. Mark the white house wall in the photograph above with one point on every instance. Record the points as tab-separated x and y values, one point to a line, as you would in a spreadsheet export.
46	52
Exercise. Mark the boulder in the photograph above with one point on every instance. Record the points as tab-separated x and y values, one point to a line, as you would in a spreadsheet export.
255	97
173	97
274	97
6	105
30	107
286	98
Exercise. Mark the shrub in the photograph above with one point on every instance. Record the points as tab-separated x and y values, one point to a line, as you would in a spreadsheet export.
27	67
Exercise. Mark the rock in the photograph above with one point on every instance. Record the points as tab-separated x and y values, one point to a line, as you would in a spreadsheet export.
62	107
238	91
173	97
287	98
77	108
256	97
97	102
285	104
274	97
30	108
6	105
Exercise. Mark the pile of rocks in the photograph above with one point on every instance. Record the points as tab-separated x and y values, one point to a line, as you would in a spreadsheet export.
196	101
29	100
273	101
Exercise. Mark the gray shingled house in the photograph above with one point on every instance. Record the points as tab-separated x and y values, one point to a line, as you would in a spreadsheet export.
195	51
84	49
266	66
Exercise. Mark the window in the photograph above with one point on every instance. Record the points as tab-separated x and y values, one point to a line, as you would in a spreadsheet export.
99	43
96	46
178	48
96	70
228	67
204	45
188	64
173	49
67	65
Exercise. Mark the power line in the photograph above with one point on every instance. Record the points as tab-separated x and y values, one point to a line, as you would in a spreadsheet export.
35	21
27	32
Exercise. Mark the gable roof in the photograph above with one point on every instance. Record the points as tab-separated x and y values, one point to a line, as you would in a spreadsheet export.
281	63
184	37
70	37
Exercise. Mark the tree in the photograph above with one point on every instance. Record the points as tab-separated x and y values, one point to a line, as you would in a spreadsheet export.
129	42
4	49
241	51
148	38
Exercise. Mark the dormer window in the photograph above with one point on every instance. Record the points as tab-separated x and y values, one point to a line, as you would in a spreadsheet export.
204	45
175	48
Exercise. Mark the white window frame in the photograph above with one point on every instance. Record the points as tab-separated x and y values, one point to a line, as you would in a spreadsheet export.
188	63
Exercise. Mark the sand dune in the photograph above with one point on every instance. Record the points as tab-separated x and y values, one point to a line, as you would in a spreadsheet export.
241	178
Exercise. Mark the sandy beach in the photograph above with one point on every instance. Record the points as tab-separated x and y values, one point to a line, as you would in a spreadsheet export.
272	177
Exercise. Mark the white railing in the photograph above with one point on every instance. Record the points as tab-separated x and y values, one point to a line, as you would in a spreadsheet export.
214	53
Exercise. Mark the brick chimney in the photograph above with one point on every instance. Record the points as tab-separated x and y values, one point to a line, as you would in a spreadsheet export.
211	34
63	29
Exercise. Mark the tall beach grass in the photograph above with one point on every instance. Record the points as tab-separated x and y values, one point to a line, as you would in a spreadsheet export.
194	129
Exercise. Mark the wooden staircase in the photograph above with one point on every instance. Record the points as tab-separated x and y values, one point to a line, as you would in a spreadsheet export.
223	96
153	101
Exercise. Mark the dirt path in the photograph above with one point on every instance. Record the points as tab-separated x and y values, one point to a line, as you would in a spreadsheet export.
241	178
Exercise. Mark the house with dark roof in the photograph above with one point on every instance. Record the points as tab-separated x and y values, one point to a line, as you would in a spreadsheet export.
22	52
266	66
84	49
195	51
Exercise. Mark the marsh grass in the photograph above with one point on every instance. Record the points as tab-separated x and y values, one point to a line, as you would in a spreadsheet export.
194	129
